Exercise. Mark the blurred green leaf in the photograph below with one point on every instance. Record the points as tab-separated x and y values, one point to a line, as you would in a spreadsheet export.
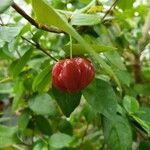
7	136
118	133
142	123
67	101
6	88
18	90
42	104
130	104
40	145
77	49
24	119
144	145
100	95
145	115
4	4
19	64
89	113
143	89
7	34
43	125
60	140
115	59
124	77
125	4
85	19
65	126
42	80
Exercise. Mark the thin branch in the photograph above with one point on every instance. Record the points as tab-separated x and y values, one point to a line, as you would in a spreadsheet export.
34	22
141	44
109	10
36	45
18	53
145	31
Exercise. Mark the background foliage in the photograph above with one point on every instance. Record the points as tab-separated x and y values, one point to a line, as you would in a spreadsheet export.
112	112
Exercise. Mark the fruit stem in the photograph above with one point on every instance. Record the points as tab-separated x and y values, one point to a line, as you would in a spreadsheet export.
70	46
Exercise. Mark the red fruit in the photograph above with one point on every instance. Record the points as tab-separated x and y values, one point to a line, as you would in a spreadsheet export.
72	75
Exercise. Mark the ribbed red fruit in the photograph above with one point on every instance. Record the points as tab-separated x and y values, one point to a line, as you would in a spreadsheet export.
72	75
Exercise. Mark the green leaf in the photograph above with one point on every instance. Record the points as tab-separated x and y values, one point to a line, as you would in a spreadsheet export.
118	133
77	49
60	140
130	104
67	101
43	125
16	101
125	4
85	19
17	67
115	59
40	145
65	126
4	4
144	145
6	88
42	104
7	136
124	77
145	115
24	119
18	90
56	20
52	17
42	80
100	95
142	123
7	34
143	89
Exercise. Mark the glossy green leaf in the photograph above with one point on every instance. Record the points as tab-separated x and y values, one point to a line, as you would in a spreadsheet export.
43	125
42	104
42	80
7	136
4	4
130	104
85	19
77	49
60	140
17	67
7	34
67	101
100	95
118	133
